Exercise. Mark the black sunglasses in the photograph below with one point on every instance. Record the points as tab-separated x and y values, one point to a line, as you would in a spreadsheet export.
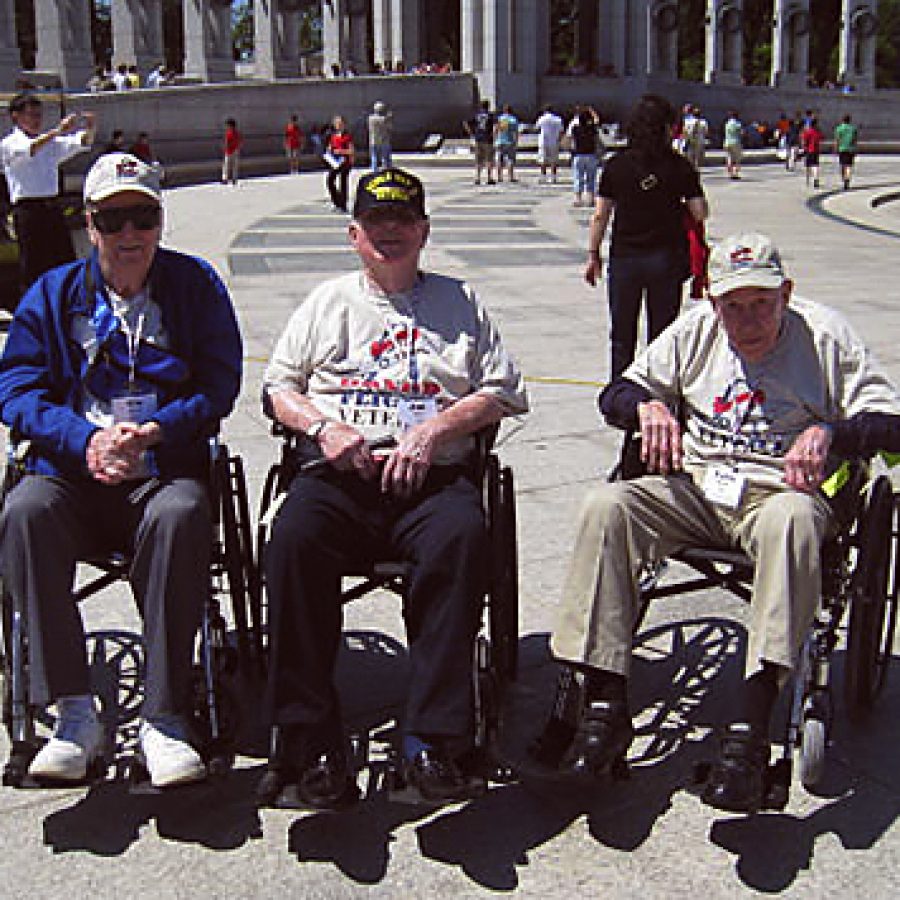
111	221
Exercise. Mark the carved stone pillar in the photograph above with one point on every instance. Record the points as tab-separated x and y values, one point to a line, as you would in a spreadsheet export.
790	43
208	49
382	45
344	34
616	38
137	35
63	37
662	38
471	29
276	41
724	42
10	59
859	27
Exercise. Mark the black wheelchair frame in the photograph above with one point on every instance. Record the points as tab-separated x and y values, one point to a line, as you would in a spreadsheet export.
860	583
232	572
495	659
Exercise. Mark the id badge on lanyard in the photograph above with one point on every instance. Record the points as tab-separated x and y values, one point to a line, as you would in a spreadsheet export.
134	405
415	410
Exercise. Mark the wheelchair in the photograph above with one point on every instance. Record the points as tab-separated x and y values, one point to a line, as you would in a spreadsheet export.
215	713
860	586
495	656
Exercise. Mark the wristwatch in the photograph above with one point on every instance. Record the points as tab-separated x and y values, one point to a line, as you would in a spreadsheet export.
316	429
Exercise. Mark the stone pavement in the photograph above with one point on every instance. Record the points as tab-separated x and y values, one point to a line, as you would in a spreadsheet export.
522	246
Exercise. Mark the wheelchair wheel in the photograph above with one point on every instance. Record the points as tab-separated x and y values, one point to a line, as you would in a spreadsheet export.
503	610
236	549
873	601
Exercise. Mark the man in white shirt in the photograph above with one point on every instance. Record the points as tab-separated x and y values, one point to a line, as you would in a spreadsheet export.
550	128
31	160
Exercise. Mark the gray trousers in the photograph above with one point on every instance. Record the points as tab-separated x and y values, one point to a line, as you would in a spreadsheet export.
628	523
48	524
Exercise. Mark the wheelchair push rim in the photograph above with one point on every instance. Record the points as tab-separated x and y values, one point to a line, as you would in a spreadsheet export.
873	607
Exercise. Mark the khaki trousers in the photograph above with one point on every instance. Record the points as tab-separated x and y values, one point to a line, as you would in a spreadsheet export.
625	524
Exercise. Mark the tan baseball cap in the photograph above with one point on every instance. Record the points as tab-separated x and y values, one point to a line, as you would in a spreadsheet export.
744	260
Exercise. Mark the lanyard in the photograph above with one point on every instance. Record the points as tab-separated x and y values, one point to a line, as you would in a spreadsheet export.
133	338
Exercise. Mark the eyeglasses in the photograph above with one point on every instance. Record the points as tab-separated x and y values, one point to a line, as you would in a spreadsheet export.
111	221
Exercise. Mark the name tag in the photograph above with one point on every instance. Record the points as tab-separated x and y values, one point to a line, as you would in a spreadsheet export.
136	408
723	486
412	412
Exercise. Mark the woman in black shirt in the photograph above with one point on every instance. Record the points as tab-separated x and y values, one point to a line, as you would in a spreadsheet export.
645	189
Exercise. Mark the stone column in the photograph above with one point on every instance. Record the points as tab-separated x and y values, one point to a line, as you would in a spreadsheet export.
662	38
472	35
859	26
616	42
344	34
208	50
542	37
137	35
382	47
10	59
724	42
790	43
63	37
509	62
276	40
406	32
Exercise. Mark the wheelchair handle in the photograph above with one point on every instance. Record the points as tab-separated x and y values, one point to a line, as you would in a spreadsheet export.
378	444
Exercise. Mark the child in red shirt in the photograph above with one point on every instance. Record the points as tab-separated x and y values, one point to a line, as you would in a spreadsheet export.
293	139
232	152
811	142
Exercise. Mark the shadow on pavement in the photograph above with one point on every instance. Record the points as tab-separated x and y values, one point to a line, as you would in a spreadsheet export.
684	676
219	815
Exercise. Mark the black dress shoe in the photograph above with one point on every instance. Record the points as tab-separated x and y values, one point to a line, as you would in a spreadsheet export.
327	784
437	778
737	782
601	740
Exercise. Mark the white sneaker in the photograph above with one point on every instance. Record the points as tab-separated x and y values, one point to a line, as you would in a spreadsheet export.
169	758
76	742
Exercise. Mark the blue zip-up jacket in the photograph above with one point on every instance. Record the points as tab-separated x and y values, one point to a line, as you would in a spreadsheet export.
41	368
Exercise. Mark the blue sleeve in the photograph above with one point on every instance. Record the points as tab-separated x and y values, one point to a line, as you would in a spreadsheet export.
215	360
36	379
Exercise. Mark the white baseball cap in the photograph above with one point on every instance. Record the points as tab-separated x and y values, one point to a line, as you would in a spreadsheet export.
115	173
744	260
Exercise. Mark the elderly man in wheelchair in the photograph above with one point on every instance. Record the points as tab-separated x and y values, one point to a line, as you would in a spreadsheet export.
117	371
394	351
743	407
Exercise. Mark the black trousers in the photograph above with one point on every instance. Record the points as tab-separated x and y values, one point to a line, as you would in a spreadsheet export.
44	238
336	181
47	524
329	521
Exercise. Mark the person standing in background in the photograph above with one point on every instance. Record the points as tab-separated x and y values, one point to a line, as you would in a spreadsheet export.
550	129
31	160
339	158
231	157
293	141
845	137
506	139
481	129
380	126
733	144
811	141
645	190
584	133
